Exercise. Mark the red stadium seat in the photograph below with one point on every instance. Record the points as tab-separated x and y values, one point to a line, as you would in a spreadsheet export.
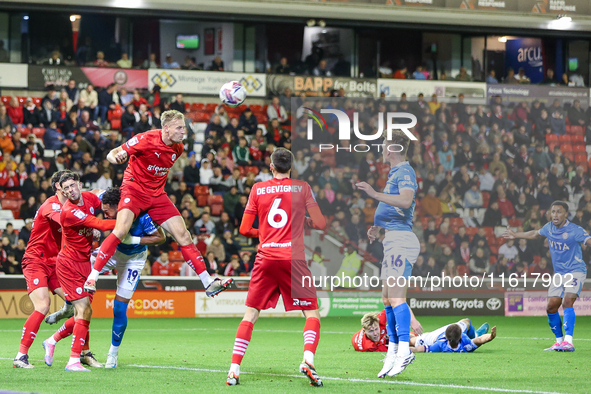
462	269
457	222
551	138
485	198
175	255
566	148
515	222
38	131
564	139
202	190
187	107
489	231
579	148
116	124
578	139
197	107
253	169
569	155
13	195
581	158
215	199
37	101
471	231
217	209
211	107
577	130
12	205
202	200
24	131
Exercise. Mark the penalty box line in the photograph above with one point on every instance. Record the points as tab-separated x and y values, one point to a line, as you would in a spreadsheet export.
353	380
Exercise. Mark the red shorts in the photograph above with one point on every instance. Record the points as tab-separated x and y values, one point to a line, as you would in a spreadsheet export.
160	208
72	276
40	273
270	278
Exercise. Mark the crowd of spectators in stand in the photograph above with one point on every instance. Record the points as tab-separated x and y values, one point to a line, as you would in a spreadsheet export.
479	167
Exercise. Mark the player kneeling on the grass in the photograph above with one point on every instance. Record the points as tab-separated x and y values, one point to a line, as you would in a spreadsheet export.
128	260
151	156
280	266
395	213
564	241
73	261
458	337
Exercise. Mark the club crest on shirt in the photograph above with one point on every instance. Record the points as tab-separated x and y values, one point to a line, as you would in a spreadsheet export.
56	207
92	210
79	290
173	156
564	235
79	214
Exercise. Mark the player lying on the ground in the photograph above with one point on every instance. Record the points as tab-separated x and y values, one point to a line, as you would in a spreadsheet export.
458	337
564	241
281	204
375	332
151	156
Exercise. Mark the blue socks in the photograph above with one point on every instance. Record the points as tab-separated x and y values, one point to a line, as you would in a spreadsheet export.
556	324
68	302
569	321
402	316
119	322
391	325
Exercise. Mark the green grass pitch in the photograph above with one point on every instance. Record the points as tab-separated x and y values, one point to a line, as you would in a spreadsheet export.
193	355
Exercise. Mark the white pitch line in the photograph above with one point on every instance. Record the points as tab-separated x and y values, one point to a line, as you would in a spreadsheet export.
276	331
353	380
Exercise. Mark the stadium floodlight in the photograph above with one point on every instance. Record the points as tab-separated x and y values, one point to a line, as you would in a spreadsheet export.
562	22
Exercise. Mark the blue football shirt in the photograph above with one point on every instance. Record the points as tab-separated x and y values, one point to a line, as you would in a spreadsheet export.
141	227
402	176
565	246
441	345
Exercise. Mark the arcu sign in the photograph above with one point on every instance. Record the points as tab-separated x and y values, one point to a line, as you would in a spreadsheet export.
344	127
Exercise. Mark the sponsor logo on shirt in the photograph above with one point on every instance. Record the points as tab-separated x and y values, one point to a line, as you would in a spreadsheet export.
92	210
127	200
79	214
277	245
558	245
159	171
132	142
299	302
56	207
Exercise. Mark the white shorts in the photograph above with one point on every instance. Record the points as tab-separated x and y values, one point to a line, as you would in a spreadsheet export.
128	269
571	282
429	338
401	249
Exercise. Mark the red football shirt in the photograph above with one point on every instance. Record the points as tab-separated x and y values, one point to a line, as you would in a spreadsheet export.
281	205
362	343
150	159
77	225
46	234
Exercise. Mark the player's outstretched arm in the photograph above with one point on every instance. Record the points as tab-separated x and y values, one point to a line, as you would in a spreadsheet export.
417	349
481	340
373	232
316	219
414	323
403	200
246	226
117	156
99	224
510	234
157	238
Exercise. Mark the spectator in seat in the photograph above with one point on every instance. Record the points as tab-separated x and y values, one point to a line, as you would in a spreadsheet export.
15	111
241	153
282	67
557	123
420	267
204	225
463	75
53	139
525	252
143	125
217	248
205	172
491	78
541	267
224	224
401	73
576	115
217	64
492	216
500	267
170	64
72	91
235	267
128	120
430	204
521	77
541	159
510	78
445	237
320	70
30	187
100	60
450	269
125	61
509	250
191	172
231	200
31	114
5	120
216	125
90	97
12	266
231	247
6	144
544	198
473	197
478	263
105	102
210	263
217	182
240	207
277	111
25	233
248	122
463	253
29	208
549	79
151	62
505	205
162	266
178	104
9	234
432	268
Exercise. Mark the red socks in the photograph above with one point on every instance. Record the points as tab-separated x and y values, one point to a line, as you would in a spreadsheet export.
79	337
65	330
243	336
311	334
30	331
106	251
191	256
86	346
